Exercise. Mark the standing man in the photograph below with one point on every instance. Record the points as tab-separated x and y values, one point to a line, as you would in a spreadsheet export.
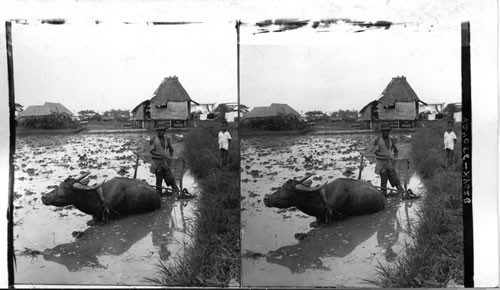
224	140
449	143
159	145
382	148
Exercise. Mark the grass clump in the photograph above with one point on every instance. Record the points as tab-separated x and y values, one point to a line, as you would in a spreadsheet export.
435	258
213	259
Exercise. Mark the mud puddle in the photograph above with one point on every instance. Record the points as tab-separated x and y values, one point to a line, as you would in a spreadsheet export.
60	245
279	246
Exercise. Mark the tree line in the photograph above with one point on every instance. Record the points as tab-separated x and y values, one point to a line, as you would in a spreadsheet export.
340	115
119	115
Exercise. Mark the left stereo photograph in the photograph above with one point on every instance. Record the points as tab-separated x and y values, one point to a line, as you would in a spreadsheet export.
125	155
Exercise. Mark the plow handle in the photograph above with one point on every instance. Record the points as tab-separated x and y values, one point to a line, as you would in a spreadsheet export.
360	167
136	165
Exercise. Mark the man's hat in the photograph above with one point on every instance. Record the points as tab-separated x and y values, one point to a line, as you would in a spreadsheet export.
385	127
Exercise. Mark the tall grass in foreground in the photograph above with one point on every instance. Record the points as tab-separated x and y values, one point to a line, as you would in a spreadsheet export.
435	258
214	257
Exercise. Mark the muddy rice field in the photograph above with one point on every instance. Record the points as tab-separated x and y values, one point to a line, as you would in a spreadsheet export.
282	247
61	245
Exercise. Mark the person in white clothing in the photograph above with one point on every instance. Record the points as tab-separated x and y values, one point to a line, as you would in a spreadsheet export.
449	143
224	141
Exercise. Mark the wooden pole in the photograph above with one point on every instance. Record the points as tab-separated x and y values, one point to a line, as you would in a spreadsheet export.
361	166
182	173
136	165
407	168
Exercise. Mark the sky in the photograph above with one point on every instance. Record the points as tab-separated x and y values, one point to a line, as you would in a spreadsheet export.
339	68
117	66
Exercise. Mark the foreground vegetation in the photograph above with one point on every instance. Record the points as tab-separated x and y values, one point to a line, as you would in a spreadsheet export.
213	259
435	258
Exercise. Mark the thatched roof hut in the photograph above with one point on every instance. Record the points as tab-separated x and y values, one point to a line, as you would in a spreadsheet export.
44	110
398	102
170	101
274	110
276	117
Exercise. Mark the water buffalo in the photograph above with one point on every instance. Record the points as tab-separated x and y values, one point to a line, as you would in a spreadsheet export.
332	201
118	196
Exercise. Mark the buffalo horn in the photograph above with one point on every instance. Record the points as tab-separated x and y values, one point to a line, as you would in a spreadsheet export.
304	178
300	187
82	176
85	181
80	186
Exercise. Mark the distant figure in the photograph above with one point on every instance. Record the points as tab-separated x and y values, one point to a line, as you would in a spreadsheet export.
382	148
161	163
224	141
449	143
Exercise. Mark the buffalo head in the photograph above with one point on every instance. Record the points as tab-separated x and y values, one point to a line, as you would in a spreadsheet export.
64	194
290	194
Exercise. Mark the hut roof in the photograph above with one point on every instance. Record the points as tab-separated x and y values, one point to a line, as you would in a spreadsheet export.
137	107
458	107
170	89
273	110
45	109
398	90
368	105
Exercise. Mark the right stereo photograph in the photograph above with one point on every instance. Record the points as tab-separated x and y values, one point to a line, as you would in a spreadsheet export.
351	154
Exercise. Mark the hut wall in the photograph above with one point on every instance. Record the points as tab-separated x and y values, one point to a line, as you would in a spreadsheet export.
401	111
139	113
366	115
173	111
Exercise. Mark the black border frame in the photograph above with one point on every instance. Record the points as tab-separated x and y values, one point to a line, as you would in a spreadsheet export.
467	157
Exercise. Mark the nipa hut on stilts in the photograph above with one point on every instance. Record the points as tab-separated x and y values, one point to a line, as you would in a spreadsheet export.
398	105
169	105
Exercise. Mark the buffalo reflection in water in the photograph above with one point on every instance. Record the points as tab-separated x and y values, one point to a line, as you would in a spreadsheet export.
340	239
115	238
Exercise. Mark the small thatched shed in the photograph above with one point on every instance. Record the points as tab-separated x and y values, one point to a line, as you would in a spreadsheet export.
141	115
274	110
398	104
44	110
276	117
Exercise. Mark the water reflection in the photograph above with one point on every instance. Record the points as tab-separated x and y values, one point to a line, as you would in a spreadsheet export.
115	238
339	240
388	230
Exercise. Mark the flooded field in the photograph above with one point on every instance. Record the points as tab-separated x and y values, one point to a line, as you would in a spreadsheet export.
281	248
61	245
